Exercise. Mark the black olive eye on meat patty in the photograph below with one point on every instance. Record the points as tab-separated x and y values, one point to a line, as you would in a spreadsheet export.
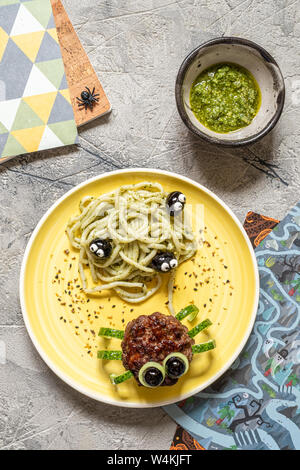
176	365
100	248
175	202
152	374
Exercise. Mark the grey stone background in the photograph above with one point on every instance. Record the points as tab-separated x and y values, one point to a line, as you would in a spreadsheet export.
136	46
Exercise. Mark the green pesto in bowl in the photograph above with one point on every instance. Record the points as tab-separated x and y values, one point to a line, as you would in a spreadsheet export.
225	97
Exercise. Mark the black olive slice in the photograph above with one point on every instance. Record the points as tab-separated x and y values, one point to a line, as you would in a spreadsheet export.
176	364
152	374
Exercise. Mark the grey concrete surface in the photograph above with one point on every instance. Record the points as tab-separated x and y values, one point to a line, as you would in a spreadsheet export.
136	46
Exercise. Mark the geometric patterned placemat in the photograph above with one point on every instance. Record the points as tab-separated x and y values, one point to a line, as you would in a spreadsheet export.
35	106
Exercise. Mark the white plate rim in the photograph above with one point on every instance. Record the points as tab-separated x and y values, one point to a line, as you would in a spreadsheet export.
84	390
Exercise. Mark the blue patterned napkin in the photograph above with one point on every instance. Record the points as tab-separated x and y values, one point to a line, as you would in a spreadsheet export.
256	404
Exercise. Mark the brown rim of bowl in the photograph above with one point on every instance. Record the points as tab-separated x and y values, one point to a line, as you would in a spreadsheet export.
180	78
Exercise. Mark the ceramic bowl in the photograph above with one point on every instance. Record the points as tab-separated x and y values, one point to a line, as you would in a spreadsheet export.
262	66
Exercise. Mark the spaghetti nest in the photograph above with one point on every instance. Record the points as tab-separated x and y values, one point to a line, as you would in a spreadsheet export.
135	220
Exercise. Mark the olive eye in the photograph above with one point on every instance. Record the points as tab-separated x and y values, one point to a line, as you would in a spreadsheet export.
164	262
152	374
176	365
100	248
175	202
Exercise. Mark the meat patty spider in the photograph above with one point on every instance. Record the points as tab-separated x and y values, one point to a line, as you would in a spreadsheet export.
157	349
88	98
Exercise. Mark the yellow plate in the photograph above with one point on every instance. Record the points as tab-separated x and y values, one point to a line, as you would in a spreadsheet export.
222	280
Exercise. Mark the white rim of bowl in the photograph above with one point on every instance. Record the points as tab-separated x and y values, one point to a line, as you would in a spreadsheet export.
97	396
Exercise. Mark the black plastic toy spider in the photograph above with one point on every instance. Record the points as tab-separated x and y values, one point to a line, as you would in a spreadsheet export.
88	98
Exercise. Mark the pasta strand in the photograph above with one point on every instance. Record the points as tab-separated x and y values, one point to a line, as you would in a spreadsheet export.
135	220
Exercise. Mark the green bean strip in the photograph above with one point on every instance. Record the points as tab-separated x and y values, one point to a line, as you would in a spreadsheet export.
111	355
111	333
204	347
189	310
118	379
201	326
